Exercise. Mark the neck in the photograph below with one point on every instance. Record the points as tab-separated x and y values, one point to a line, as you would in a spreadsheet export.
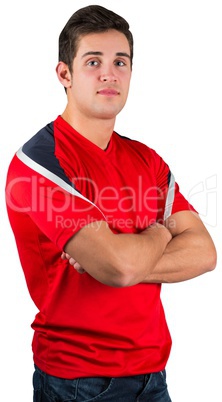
98	131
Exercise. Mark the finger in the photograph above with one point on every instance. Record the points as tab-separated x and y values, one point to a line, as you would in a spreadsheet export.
65	256
79	269
72	261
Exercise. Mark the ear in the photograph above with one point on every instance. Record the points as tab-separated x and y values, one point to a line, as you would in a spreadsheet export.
63	74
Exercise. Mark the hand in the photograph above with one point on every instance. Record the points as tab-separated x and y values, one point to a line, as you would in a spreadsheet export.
73	262
159	229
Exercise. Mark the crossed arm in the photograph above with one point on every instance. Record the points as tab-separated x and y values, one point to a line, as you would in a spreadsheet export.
179	250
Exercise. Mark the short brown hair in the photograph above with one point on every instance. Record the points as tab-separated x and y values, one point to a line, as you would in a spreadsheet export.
88	20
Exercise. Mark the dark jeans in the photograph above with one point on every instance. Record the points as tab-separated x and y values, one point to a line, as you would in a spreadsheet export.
140	388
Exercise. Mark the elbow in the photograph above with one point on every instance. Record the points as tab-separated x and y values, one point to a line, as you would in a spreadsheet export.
117	280
122	281
212	260
123	275
118	272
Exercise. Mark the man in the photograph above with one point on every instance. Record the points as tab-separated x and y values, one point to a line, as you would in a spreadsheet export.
84	200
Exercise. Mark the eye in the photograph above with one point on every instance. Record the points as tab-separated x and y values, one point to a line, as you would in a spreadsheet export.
94	63
120	63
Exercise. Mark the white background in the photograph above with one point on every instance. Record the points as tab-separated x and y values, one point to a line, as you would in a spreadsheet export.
175	106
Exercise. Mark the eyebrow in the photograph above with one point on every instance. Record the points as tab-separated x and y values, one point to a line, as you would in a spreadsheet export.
91	53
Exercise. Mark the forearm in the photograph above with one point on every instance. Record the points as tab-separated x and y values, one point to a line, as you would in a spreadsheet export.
118	260
156	255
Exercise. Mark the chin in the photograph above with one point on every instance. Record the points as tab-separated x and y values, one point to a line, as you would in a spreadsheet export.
108	114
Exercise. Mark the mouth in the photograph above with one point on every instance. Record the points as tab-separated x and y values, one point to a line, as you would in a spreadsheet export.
108	92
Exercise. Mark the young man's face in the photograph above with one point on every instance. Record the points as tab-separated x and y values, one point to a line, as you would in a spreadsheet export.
101	75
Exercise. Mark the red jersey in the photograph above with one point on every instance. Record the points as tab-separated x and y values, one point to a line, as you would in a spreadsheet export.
57	183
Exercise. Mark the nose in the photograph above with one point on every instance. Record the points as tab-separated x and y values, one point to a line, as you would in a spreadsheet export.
108	77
